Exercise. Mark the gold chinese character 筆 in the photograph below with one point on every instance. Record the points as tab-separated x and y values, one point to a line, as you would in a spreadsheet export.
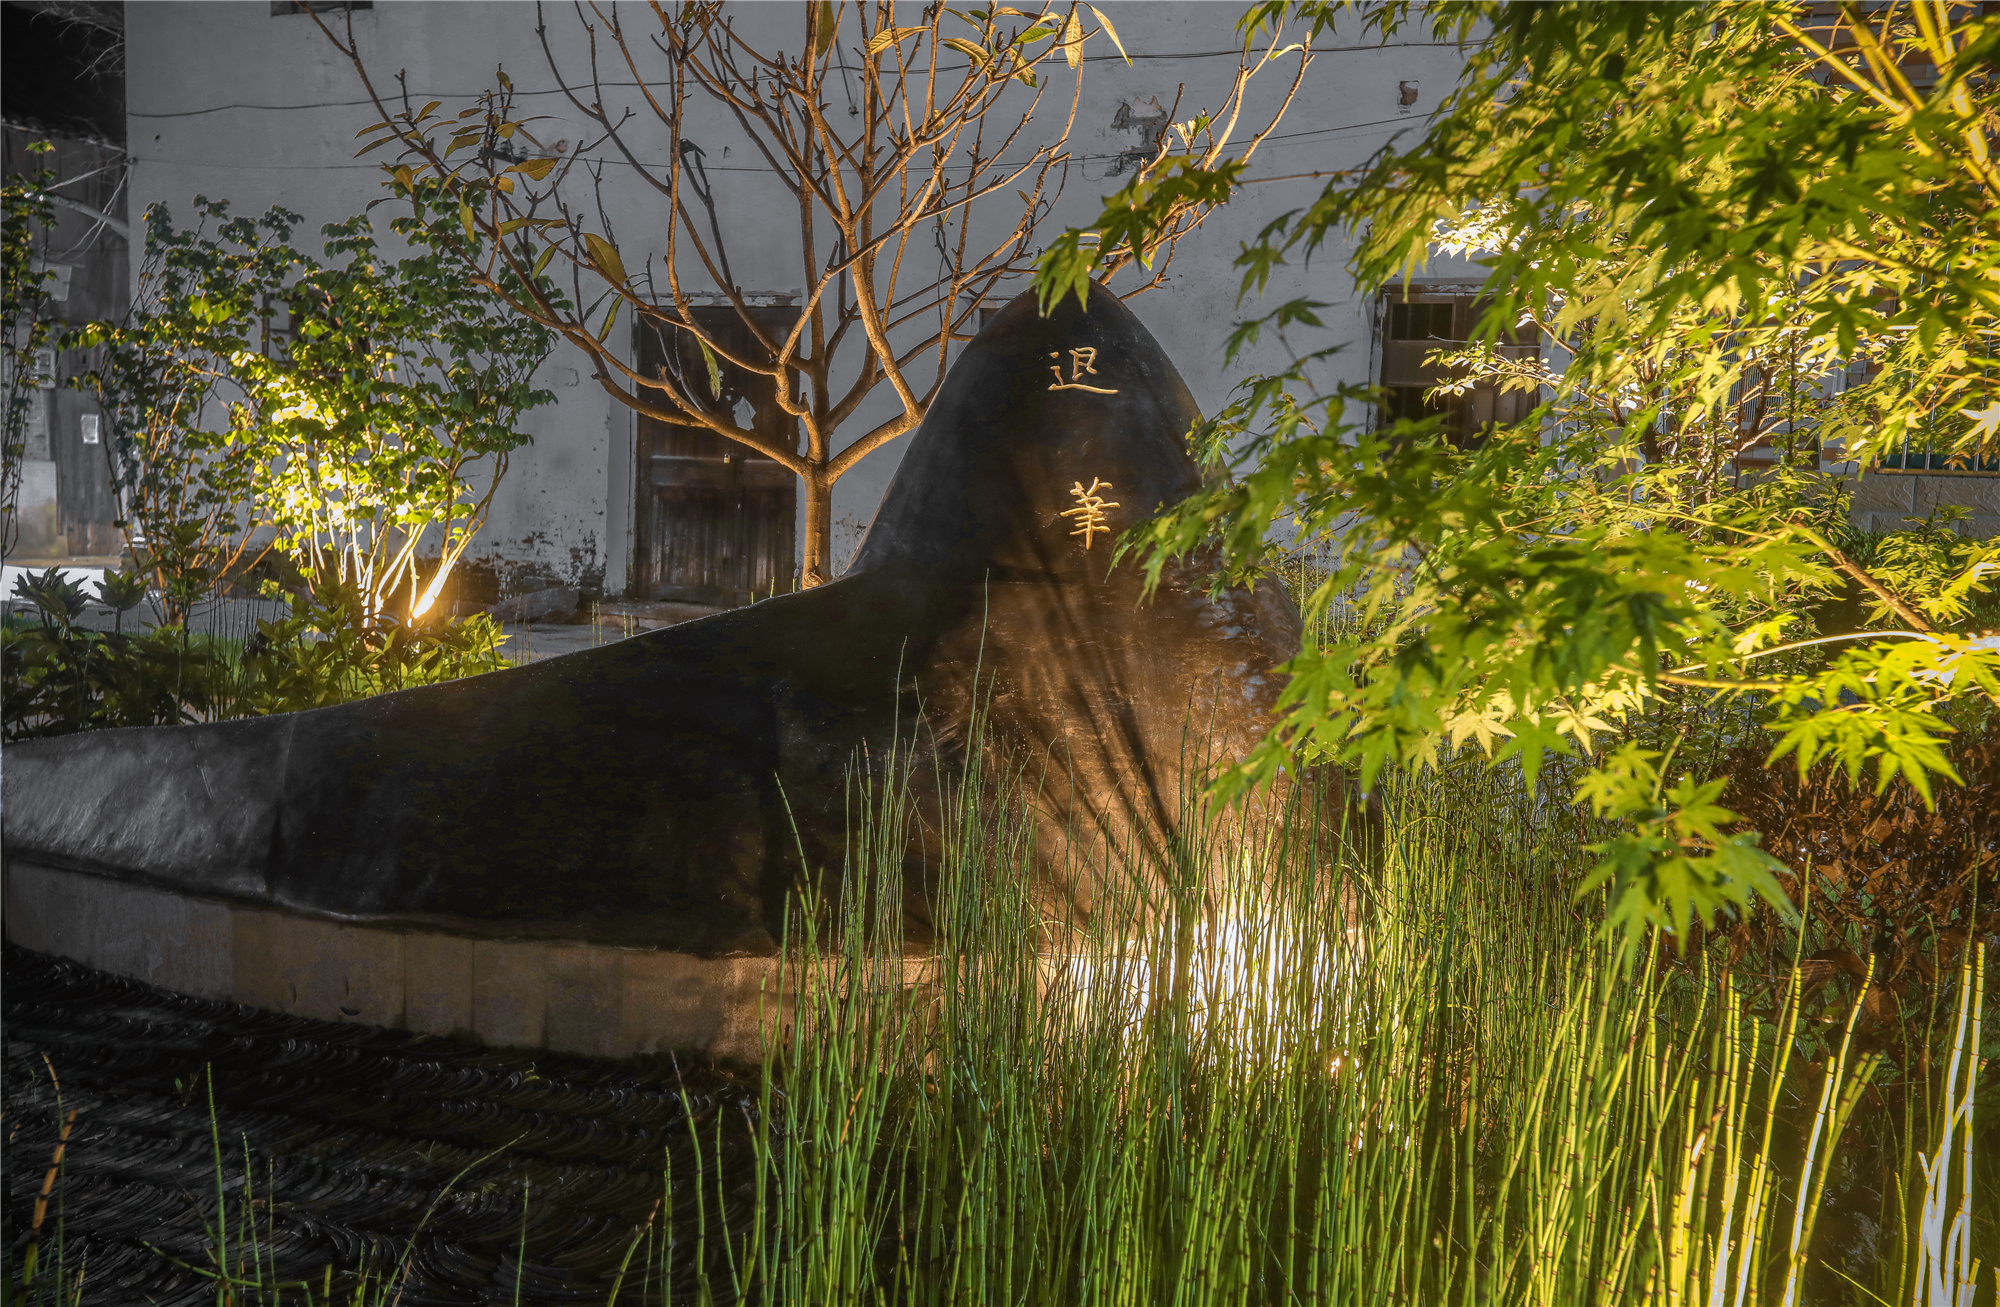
1089	510
1081	362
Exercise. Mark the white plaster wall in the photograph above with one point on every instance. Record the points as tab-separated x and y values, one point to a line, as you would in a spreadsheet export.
228	101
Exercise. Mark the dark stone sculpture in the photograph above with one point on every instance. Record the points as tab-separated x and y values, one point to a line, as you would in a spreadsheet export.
658	791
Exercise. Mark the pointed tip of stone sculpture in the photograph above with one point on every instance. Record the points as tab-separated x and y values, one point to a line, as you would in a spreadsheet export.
1036	410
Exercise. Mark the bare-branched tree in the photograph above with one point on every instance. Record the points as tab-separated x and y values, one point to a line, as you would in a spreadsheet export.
920	156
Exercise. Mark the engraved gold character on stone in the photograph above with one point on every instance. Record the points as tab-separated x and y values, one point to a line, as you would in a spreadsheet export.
1081	361
1089	510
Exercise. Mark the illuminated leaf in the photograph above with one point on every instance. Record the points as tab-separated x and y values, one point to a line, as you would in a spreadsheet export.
605	255
535	168
714	368
892	36
824	28
1065	270
1111	32
1073	41
971	50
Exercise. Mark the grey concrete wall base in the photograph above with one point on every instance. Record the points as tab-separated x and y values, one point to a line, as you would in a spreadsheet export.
568	998
1884	501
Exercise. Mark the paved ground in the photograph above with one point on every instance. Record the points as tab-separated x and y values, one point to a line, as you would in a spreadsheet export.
414	1155
86	573
596	624
608	622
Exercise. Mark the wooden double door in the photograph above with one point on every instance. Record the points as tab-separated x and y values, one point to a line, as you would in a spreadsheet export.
717	522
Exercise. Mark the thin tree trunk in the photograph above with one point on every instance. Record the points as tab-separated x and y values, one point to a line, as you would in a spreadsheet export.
816	557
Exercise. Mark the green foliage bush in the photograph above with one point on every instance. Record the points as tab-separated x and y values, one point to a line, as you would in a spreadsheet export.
1884	874
58	676
355	415
329	650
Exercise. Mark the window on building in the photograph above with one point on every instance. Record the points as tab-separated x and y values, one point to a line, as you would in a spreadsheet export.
1421	321
984	309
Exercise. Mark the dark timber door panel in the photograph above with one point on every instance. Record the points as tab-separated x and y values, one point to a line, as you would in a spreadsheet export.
717	521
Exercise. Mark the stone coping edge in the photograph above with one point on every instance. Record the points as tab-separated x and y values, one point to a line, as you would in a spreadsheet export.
563	997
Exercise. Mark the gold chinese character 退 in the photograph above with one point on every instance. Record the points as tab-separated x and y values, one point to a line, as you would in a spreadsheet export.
1089	510
1082	362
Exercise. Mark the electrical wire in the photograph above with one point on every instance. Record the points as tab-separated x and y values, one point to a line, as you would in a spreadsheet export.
755	168
1089	58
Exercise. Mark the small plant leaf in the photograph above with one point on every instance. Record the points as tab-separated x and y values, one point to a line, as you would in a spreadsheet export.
714	368
605	255
1111	32
971	50
824	28
892	36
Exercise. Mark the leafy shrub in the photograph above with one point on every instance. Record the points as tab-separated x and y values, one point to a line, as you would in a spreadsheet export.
58	676
373	428
329	650
1882	873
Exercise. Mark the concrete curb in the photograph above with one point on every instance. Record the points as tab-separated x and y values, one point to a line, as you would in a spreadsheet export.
560	996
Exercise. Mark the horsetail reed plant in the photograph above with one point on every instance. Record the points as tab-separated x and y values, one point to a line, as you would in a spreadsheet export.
1946	1272
1288	1067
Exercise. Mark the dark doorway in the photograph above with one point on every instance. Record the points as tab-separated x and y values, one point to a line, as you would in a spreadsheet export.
716	521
